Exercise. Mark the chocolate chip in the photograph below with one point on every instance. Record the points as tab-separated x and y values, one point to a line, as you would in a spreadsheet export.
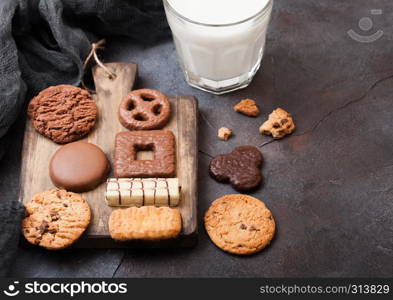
65	205
276	125
242	226
54	215
43	227
283	121
252	228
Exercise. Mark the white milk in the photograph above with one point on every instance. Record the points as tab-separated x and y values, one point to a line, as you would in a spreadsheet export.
218	11
219	57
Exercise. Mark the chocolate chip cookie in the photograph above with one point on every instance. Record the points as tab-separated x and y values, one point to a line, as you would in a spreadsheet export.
63	113
239	224
55	219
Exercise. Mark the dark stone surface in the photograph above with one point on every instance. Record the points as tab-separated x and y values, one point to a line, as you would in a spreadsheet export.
329	185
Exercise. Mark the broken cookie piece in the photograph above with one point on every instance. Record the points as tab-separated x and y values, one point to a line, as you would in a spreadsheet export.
224	133
247	107
279	124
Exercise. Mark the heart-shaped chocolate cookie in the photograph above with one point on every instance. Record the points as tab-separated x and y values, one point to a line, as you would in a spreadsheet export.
241	167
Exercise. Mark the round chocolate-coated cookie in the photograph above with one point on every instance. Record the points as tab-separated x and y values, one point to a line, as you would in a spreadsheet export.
144	109
78	167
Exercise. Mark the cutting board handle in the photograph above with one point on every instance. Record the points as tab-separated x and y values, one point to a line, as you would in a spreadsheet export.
126	73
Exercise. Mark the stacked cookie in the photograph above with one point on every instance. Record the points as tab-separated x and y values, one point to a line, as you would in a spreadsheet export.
56	218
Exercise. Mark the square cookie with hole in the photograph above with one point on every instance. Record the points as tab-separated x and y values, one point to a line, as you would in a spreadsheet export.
160	163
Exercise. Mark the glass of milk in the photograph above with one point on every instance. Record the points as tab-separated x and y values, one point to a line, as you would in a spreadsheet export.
219	43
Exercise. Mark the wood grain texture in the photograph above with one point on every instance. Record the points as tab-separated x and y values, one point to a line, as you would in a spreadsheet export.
37	151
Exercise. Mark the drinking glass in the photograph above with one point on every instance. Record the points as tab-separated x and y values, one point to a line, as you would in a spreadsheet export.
219	58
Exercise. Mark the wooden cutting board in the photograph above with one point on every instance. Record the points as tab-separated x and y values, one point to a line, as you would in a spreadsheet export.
38	150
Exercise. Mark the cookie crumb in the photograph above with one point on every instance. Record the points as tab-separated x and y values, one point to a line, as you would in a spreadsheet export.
224	133
279	124
247	107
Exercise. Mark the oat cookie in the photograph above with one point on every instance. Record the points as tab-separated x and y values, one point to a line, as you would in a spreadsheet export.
239	224
279	124
55	219
63	113
145	223
247	107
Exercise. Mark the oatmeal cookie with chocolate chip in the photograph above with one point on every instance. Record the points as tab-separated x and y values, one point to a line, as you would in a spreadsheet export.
240	224
55	219
279	124
63	113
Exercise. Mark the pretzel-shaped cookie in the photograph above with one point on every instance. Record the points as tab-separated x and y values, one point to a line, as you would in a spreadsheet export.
144	109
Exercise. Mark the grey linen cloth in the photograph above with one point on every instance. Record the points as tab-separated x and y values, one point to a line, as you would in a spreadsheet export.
43	43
